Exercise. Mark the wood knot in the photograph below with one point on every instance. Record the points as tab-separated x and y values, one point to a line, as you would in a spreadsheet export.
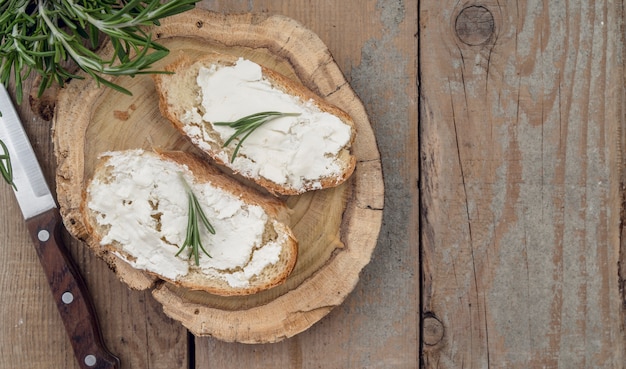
43	105
433	329
474	25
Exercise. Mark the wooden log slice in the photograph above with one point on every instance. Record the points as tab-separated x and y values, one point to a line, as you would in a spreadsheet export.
337	229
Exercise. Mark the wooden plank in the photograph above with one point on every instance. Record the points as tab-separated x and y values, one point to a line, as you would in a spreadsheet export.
29	319
31	331
374	44
521	156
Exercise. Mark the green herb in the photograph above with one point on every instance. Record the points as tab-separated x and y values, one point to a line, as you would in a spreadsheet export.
5	165
248	124
192	239
44	35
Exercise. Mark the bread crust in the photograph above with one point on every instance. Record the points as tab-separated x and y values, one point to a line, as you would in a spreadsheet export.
195	280
184	70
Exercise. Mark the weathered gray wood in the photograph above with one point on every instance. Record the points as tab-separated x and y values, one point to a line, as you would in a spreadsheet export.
521	128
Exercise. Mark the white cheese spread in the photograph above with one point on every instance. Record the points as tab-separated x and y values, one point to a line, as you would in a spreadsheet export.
291	151
143	202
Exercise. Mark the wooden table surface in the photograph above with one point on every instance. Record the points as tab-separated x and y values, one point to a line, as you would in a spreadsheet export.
500	127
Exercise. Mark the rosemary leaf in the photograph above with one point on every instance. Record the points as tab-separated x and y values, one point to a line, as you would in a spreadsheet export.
190	227
192	237
248	124
5	165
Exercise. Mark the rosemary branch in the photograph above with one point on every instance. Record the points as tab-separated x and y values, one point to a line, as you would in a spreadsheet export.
5	165
46	36
192	238
249	124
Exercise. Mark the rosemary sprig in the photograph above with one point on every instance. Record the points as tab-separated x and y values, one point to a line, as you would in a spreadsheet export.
45	36
249	124
192	239
5	165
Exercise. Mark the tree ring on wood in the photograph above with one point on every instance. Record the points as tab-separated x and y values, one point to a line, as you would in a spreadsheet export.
337	228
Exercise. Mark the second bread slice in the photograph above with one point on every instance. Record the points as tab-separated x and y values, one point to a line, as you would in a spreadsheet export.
289	155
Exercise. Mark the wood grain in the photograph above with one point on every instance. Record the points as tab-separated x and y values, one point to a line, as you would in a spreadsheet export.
521	152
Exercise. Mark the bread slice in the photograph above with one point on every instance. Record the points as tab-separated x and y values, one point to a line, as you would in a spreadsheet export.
137	205
287	156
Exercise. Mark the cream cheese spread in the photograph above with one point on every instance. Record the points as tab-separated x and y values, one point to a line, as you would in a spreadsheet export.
294	151
143	202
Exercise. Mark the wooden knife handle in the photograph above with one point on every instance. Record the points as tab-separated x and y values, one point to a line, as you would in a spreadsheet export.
70	293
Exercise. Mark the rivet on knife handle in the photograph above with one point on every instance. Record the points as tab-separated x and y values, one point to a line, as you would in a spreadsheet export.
70	293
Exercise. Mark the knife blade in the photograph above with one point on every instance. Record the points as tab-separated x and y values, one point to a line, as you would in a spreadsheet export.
44	222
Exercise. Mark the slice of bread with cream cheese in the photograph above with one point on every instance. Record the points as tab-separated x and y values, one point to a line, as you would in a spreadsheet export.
137	205
309	150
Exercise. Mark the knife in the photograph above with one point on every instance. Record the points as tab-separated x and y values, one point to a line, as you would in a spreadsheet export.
43	221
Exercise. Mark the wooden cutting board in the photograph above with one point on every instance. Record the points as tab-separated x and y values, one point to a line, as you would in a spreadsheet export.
337	229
